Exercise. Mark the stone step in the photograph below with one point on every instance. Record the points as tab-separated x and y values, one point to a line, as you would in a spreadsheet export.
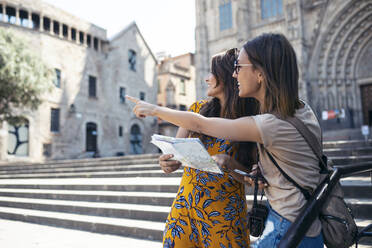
99	174
79	164
97	167
145	184
357	187
131	197
42	236
349	160
75	170
361	207
115	210
348	151
150	170
347	144
84	160
354	187
119	226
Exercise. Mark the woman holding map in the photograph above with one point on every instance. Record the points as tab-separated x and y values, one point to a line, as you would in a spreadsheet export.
210	209
267	70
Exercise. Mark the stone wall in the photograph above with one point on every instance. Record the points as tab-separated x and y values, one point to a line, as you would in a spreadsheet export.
107	61
329	38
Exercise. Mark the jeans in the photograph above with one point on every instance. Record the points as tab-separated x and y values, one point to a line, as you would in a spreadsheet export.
275	228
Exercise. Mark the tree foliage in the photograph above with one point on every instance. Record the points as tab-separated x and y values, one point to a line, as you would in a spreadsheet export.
23	78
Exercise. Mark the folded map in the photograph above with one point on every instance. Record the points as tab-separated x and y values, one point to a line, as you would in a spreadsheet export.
189	151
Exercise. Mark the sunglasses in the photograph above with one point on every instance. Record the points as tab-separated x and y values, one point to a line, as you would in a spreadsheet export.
238	66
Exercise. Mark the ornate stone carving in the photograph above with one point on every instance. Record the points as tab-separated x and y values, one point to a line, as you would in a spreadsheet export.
346	25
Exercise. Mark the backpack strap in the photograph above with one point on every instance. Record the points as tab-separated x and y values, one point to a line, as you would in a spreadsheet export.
313	143
311	140
305	192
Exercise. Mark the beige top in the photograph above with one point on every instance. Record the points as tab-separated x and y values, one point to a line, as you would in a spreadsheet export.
295	157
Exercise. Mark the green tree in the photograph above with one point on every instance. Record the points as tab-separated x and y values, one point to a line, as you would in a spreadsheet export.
23	78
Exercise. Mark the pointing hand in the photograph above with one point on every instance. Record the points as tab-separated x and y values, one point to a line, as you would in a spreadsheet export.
142	108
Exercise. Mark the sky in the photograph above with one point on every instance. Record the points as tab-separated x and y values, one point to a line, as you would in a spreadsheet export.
167	25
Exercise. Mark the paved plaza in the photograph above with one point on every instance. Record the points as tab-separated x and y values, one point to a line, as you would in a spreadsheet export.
16	234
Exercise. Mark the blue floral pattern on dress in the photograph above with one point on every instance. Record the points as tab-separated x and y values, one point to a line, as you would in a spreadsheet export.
209	209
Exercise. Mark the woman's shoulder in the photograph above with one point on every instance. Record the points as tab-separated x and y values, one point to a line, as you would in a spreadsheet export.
264	118
195	107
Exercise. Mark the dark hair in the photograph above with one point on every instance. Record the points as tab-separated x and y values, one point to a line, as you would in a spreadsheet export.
222	69
275	57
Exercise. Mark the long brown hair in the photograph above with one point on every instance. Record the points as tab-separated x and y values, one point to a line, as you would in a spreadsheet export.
222	69
275	57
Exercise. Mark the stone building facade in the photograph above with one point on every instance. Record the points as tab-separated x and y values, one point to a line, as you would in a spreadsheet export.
86	113
332	39
176	86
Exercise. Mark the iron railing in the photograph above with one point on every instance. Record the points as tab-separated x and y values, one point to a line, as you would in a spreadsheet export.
301	225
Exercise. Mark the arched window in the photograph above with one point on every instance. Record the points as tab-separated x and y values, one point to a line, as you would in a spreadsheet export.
18	140
91	137
135	139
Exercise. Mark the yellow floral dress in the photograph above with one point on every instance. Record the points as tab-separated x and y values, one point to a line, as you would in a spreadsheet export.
210	209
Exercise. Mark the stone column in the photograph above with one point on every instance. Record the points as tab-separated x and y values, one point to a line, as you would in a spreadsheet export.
99	44
69	33
3	141
357	103
41	28
51	26
18	20
77	35
29	15
60	30
85	40
4	10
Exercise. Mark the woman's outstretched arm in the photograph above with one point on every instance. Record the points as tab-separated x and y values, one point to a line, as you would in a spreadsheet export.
242	129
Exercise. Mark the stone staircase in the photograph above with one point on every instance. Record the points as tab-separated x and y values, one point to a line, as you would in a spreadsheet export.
130	195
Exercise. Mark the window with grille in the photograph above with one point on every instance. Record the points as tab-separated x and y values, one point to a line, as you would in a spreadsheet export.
73	34
122	95
142	96
54	120
120	131
35	21
10	15
92	86
46	23
57	80
95	43
23	16
225	13
271	8
182	107
65	31
182	87
89	40
81	37
56	27
132	60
